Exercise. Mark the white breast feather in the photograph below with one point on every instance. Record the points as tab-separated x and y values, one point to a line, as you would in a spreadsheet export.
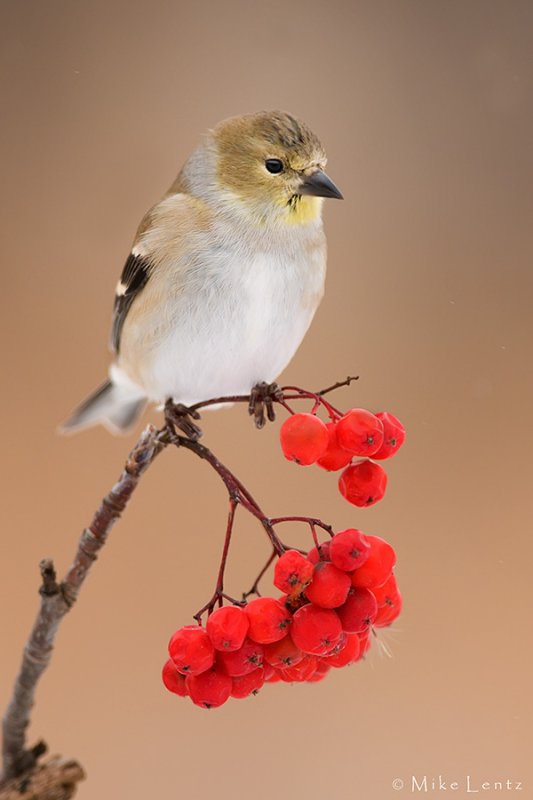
237	319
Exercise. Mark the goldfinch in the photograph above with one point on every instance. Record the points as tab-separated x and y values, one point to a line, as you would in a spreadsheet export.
225	273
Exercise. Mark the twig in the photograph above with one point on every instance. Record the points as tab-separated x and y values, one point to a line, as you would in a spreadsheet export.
308	520
218	595
56	601
346	382
56	780
254	589
276	395
235	488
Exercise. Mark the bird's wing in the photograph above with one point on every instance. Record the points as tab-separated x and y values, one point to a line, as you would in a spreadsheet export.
161	240
134	278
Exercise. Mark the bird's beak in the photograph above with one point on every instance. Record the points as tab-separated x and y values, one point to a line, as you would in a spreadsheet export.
319	185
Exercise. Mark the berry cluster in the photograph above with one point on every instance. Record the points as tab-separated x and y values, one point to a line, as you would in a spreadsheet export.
333	446
332	598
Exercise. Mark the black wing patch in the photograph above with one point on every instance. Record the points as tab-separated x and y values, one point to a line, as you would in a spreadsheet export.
132	281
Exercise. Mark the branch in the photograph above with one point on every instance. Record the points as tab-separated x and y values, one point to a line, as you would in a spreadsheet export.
56	601
346	382
237	492
56	779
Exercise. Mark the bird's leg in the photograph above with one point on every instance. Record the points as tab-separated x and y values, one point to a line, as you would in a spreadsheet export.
179	416
262	399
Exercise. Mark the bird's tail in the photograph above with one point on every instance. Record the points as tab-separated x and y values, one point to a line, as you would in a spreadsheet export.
111	405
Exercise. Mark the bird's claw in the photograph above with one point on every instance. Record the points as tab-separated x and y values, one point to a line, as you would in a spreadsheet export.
262	399
179	416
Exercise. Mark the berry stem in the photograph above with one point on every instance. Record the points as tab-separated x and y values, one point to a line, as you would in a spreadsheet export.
311	521
225	550
236	490
286	406
303	394
58	598
218	594
315	537
255	587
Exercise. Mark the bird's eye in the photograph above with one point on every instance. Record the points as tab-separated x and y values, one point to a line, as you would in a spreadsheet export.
274	165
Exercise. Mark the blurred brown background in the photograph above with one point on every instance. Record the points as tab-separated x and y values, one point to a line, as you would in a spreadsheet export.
425	109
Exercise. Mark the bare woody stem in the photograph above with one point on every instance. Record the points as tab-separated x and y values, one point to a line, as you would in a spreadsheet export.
285	393
56	601
235	488
58	598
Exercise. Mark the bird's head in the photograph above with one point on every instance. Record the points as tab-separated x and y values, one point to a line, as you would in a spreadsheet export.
274	165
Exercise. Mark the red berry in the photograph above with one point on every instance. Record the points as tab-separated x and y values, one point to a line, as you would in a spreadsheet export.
389	602
363	484
389	612
386	592
394	435
329	587
360	432
268	618
268	670
304	438
292	572
282	654
301	671
242	661
210	689
227	627
348	651
191	650
349	549
335	457
274	676
358	612
378	566
315	630
322	669
174	680
319	554
248	684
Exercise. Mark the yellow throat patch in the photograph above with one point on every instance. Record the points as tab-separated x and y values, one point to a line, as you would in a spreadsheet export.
303	208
